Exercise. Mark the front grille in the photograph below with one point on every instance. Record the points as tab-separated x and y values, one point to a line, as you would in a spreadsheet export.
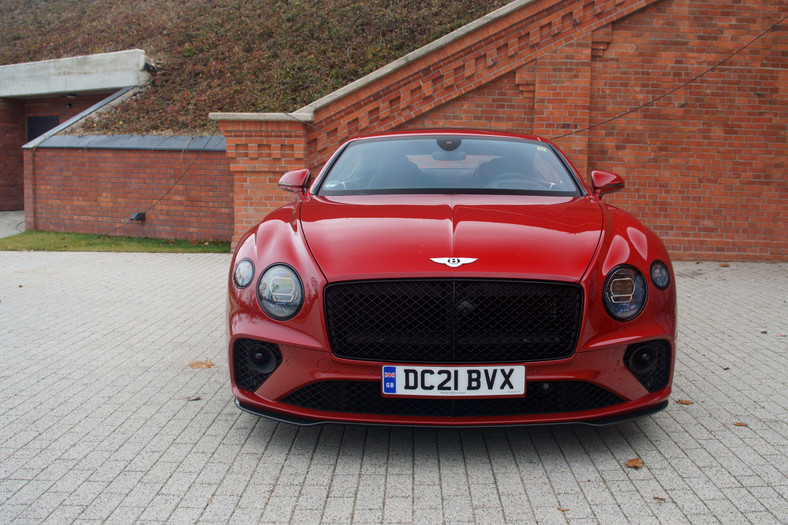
364	397
453	321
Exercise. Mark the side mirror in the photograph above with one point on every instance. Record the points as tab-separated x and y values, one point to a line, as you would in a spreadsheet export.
604	182
295	181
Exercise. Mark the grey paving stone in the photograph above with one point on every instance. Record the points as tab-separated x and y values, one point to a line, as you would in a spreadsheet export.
427	496
338	510
279	510
190	515
429	515
220	509
314	497
457	509
64	514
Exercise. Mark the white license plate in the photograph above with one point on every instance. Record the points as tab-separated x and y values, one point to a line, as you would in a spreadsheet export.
453	381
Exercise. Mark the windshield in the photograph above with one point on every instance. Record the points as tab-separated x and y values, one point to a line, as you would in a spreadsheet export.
448	164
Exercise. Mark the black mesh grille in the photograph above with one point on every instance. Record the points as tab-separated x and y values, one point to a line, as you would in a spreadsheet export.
657	378
364	397
247	373
463	321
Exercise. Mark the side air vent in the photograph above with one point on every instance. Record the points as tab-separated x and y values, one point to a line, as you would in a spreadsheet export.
254	362
649	362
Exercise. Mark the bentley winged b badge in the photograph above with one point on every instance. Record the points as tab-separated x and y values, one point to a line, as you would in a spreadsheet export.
453	262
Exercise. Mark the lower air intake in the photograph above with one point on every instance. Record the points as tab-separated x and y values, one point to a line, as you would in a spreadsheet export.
649	362
254	362
364	397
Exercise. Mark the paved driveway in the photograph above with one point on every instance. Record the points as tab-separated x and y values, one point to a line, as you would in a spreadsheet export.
103	420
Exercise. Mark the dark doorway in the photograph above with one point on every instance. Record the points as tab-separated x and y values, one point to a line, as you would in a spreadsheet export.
37	126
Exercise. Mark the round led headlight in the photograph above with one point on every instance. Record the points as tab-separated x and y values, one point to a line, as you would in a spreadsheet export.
243	273
280	292
660	275
625	293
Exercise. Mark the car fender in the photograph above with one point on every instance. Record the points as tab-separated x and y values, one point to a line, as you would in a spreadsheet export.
626	241
277	240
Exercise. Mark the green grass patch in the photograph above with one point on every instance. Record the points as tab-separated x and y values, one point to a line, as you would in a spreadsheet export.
82	242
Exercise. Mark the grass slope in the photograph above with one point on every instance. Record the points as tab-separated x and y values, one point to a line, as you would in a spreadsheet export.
235	55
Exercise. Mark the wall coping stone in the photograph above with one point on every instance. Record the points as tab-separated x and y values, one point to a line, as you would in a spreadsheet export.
136	142
81	74
299	116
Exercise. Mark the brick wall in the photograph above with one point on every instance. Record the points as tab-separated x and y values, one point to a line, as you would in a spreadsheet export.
261	151
96	191
504	104
12	137
705	166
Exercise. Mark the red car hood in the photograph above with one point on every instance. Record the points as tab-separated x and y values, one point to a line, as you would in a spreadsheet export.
396	236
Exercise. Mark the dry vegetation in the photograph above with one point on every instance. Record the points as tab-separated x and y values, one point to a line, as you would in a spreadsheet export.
258	55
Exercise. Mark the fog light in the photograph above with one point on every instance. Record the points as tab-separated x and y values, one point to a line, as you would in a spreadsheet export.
262	359
643	359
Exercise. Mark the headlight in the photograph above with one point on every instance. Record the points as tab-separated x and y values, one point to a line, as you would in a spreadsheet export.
280	292
660	275
243	273
625	293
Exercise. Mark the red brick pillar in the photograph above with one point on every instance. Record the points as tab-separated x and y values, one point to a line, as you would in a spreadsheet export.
12	138
261	147
30	189
563	97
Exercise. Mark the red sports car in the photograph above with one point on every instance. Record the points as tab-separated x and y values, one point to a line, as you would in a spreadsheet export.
456	278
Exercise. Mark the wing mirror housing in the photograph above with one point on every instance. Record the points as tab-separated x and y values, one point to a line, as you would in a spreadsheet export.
295	181
604	182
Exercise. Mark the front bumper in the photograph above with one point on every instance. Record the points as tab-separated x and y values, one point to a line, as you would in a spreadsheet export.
311	386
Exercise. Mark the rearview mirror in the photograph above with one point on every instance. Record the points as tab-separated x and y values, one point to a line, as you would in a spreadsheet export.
604	182
295	181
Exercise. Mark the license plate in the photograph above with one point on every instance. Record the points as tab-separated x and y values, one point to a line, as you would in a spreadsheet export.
453	381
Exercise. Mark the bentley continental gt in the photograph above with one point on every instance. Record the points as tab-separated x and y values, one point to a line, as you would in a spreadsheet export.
450	278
